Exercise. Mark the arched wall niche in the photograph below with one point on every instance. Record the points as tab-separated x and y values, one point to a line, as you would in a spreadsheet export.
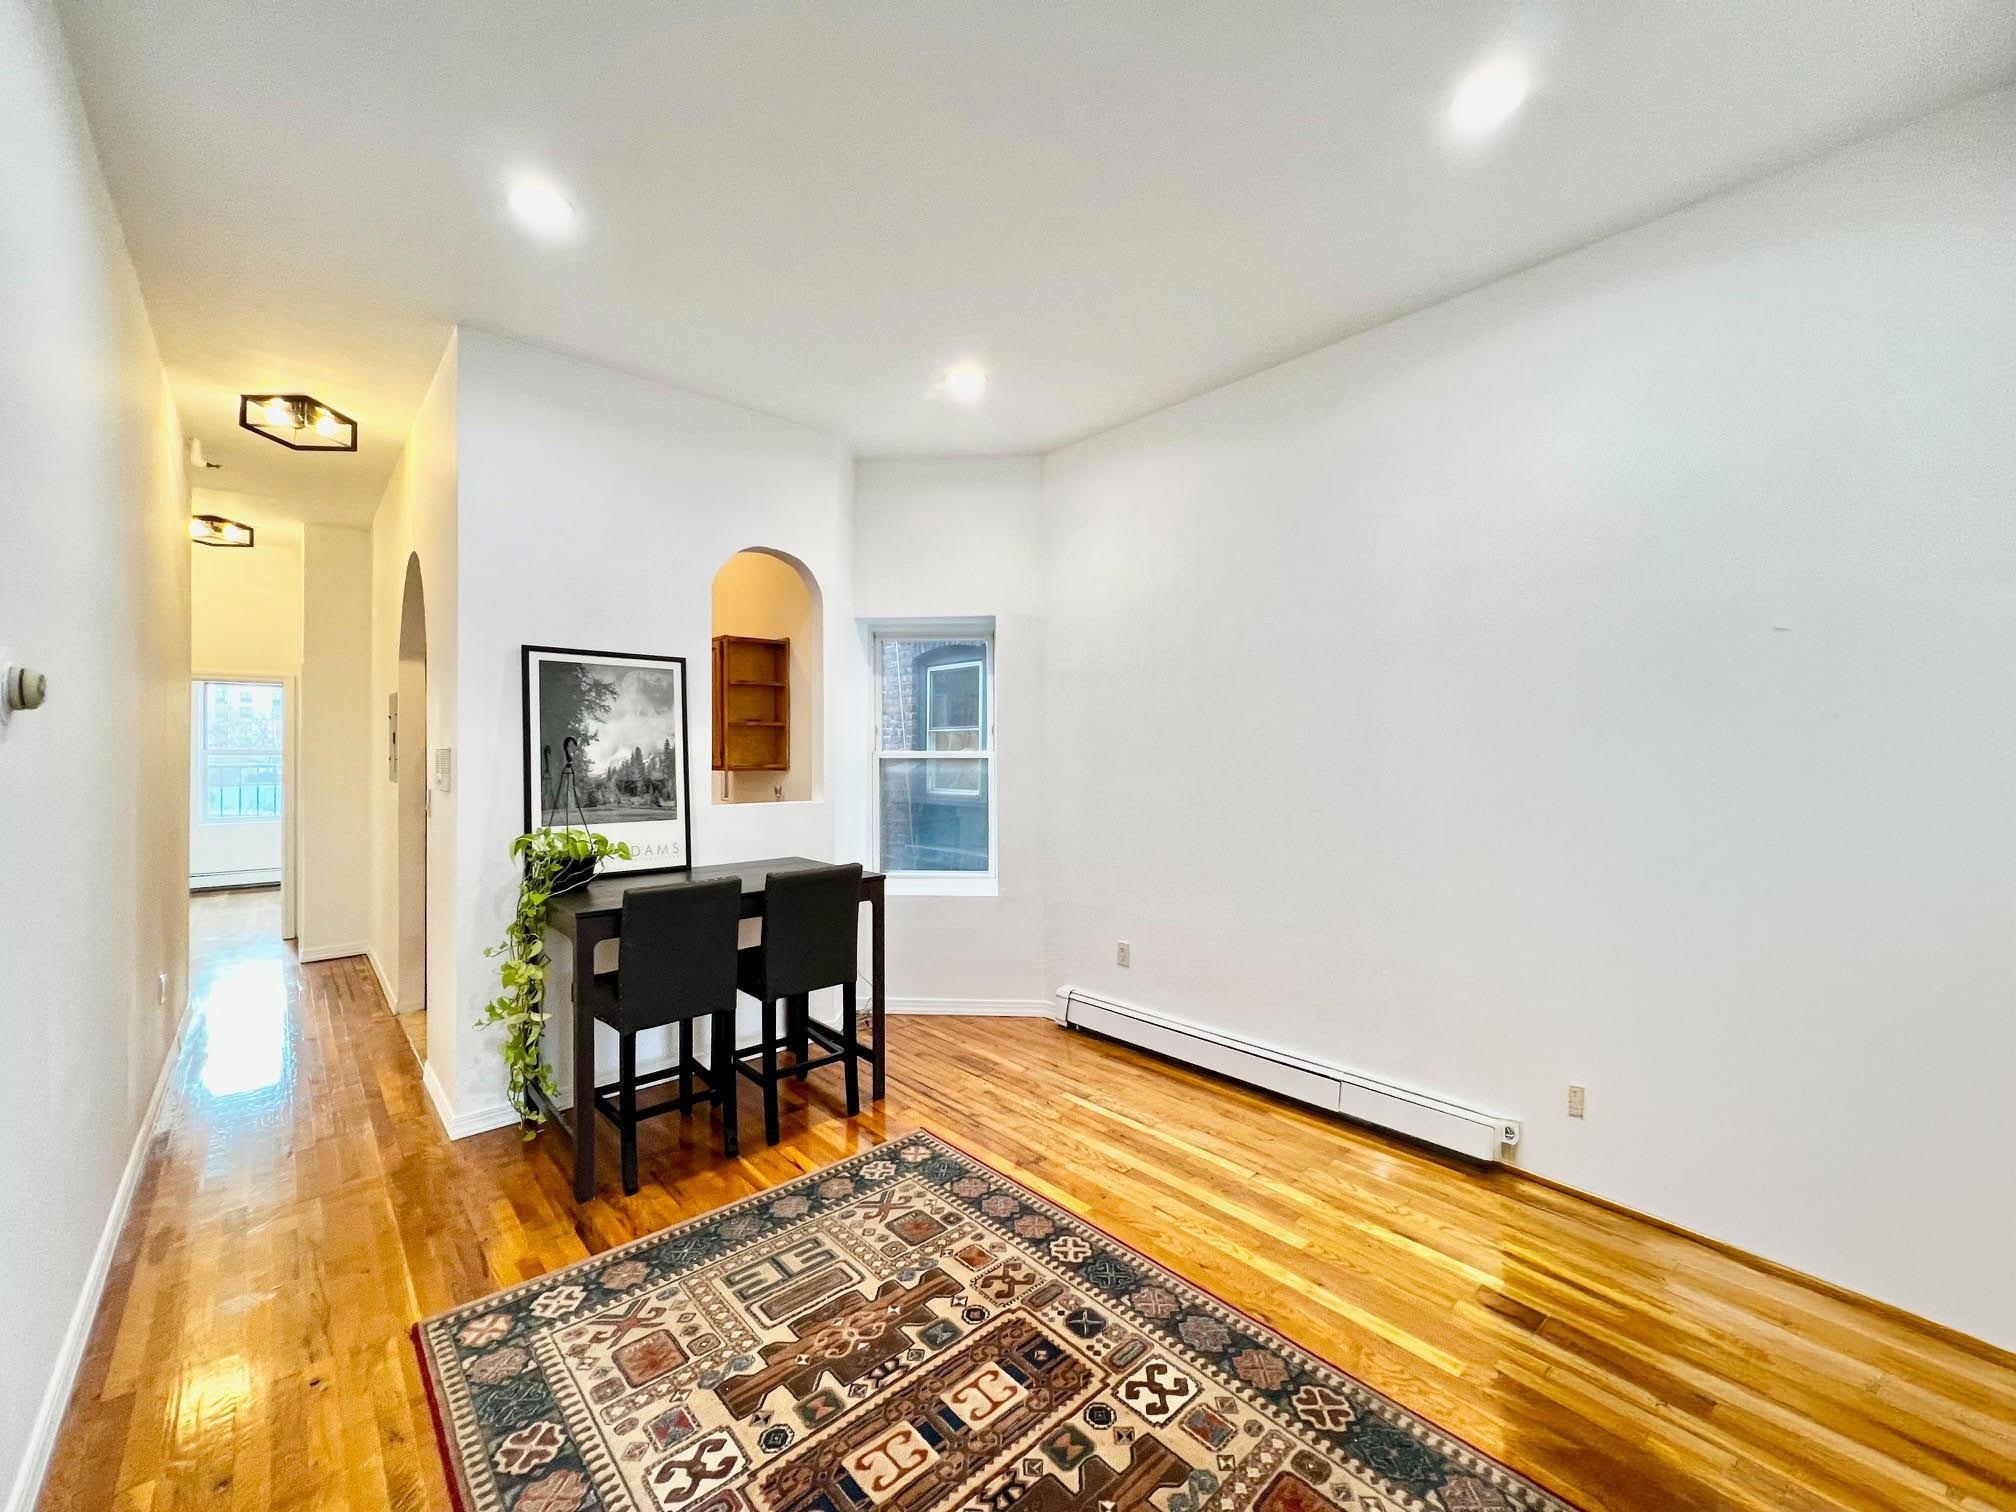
772	595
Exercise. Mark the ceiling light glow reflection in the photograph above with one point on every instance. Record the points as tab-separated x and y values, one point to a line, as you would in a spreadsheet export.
964	383
1488	96
542	209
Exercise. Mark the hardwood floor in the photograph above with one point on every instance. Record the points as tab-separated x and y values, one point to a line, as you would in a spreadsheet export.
414	1026
302	1208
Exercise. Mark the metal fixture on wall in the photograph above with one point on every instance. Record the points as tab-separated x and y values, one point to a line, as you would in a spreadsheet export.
21	688
299	422
215	530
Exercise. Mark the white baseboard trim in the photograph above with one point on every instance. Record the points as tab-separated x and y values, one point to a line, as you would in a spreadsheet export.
384	983
478	1120
332	952
976	1007
499	1114
27	1488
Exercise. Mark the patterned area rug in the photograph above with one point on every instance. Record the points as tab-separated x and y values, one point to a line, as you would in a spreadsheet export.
911	1330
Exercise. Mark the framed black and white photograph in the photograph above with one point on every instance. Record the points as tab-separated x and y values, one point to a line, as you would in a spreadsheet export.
605	748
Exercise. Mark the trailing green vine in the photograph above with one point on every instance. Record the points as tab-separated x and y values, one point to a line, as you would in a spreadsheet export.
545	854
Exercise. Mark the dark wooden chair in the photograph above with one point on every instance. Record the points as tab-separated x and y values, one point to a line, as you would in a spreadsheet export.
810	941
677	963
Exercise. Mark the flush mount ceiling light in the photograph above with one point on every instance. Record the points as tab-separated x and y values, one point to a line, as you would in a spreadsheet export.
542	209
215	530
964	383
1488	96
299	422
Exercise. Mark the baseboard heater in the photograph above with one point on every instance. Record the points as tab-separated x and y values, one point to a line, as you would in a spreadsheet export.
1419	1115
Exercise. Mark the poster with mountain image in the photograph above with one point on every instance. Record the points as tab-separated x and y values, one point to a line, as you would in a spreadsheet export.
606	748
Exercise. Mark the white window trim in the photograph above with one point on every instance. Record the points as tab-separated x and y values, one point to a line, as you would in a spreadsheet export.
945	884
979	730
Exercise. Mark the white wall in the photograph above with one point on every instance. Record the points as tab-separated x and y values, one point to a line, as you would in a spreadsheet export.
962	538
245	606
1602	678
337	732
416	521
594	510
93	823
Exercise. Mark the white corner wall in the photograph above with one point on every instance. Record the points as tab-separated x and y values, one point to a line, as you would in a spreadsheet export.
962	538
416	521
334	761
593	510
93	818
1604	678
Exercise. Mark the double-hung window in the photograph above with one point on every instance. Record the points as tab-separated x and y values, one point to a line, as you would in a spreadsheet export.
934	752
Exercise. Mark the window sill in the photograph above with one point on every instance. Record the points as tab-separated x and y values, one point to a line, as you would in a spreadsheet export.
916	885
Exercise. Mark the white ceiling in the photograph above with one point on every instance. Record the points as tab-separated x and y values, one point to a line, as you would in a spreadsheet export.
811	208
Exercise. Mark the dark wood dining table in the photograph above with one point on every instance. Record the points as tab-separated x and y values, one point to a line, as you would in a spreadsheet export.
590	915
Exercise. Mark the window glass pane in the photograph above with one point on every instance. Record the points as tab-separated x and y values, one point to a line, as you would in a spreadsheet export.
241	750
934	695
934	815
241	788
241	716
952	706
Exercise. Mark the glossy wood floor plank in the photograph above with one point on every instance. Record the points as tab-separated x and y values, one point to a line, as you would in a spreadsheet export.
301	1208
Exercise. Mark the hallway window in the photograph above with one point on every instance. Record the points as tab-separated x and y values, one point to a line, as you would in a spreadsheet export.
934	756
240	751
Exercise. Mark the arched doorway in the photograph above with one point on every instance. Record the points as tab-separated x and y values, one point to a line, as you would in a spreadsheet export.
761	594
412	859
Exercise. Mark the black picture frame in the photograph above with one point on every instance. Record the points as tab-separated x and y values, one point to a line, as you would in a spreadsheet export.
658	855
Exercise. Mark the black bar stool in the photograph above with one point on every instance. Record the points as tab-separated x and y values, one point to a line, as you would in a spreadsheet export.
676	964
810	941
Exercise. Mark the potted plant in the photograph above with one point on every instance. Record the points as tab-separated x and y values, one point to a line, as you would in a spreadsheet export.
553	860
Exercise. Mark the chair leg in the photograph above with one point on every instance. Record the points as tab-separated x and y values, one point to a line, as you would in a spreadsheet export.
849	1031
801	1037
772	1124
626	1074
686	1065
725	1077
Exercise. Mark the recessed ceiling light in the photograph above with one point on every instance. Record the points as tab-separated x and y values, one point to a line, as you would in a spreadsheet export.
964	383
1489	95
542	209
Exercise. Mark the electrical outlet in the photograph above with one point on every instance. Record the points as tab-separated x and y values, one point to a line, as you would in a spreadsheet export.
1123	953
1578	1101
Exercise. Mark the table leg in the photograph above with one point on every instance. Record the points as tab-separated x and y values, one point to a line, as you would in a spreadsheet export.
584	1067
875	1002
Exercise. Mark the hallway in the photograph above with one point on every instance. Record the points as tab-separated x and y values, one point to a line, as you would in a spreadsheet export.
300	1210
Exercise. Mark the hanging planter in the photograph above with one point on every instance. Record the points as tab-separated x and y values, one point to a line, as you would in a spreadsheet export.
554	861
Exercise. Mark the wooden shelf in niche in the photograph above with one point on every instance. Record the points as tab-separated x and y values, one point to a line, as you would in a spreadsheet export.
752	704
